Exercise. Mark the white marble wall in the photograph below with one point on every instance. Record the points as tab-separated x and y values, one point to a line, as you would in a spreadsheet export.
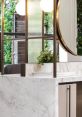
22	97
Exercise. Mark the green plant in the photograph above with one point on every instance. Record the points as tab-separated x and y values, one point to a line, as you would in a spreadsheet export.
45	56
79	27
9	10
48	22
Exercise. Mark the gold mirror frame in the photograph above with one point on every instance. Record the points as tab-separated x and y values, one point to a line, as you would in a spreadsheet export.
59	34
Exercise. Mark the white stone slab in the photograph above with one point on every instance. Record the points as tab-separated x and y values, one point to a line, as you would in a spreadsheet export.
33	97
22	97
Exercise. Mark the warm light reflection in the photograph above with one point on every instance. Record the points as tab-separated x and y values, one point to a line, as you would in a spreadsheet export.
20	8
46	5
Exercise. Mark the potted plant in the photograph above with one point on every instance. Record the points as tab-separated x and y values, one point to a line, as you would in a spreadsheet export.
45	59
45	56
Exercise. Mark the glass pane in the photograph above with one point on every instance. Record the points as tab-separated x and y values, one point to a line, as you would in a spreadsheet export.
0	16
14	46
34	18
34	49
9	10
46	55
48	23
14	50
7	50
49	44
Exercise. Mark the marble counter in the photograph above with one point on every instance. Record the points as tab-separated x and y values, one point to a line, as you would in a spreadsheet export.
22	97
25	97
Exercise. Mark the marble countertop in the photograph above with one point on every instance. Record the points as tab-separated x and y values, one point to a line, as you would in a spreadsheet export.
69	78
25	97
61	77
32	97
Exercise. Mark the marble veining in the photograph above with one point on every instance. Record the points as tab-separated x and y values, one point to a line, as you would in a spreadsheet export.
46	70
27	97
34	97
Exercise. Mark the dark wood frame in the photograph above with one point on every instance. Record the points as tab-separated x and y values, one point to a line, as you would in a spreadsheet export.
2	36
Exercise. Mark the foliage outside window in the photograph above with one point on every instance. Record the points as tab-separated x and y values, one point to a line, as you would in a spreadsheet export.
9	10
79	22
46	55
48	23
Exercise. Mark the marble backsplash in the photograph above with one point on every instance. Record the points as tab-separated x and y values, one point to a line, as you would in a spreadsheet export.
46	70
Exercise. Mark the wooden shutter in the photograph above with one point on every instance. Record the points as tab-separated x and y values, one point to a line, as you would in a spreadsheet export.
21	51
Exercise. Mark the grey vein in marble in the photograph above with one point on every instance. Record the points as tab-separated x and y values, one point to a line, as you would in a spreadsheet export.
26	97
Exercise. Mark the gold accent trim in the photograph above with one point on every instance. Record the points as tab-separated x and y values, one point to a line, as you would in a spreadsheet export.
60	38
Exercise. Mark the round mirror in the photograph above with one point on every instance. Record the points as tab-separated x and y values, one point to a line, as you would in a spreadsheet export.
67	24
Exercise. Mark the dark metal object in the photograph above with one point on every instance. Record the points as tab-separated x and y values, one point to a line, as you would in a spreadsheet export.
2	37
12	69
14	33
26	31
22	71
54	39
50	37
0	51
42	30
68	93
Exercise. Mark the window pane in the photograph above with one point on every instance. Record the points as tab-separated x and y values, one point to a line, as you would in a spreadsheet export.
0	16
34	49
9	10
48	23
49	44
34	18
14	50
